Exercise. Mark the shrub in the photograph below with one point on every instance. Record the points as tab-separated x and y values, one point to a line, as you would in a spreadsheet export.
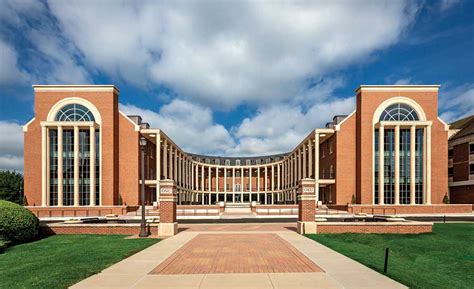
11	187
17	224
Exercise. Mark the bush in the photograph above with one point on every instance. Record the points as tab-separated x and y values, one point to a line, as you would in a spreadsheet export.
11	187
17	224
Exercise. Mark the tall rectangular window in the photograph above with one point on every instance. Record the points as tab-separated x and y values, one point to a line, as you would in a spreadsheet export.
68	167
53	167
376	166
404	166
389	166
419	166
97	167
84	167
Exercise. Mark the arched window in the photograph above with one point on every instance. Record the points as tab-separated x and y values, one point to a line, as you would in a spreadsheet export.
74	112
399	112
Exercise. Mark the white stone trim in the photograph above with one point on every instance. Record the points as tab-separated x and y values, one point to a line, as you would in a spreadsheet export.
433	87
446	126
25	126
75	87
71	100
398	99
337	127
136	126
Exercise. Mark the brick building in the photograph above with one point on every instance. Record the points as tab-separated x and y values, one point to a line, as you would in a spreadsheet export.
82	151
461	161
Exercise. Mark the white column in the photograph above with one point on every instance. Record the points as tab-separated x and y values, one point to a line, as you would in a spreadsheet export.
241	184
170	161
44	173
196	177
310	158
192	175
316	156
233	185
300	167
60	166
258	179
180	170
202	180
381	165
412	164
272	180
92	165
217	180
278	177
175	165
266	180
76	166
158	166
304	160
225	181
209	180
250	180
428	165
397	165
233	179
165	160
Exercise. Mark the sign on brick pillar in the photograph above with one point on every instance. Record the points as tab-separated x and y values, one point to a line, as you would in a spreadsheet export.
306	207
168	225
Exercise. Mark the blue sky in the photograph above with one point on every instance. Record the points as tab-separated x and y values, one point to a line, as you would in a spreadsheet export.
232	77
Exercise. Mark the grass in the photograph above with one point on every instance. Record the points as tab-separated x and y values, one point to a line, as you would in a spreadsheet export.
442	259
62	260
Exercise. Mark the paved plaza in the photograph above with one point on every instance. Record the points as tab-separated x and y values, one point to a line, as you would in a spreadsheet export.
238	256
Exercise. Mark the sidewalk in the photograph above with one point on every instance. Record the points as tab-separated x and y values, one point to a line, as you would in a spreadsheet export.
331	269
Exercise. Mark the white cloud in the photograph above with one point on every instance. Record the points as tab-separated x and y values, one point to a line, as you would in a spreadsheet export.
274	129
447	4
10	72
11	146
457	102
280	128
223	54
191	126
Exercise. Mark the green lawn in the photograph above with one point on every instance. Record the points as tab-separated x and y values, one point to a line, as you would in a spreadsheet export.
442	259
62	260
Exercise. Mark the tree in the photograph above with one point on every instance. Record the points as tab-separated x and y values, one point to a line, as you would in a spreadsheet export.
11	187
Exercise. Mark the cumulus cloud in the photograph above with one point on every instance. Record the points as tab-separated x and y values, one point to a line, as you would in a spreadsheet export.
10	72
191	126
274	129
11	146
456	102
223	54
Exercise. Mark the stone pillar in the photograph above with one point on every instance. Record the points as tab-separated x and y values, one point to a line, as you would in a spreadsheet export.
76	166
412	164
60	166
92	165
306	207
381	165
428	165
397	165
168	225
158	165
44	173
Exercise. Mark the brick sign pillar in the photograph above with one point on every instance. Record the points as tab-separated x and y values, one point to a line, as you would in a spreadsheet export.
168	225
306	207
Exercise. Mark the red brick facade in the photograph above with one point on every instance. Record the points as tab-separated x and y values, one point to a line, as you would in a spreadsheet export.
101	229
374	228
346	157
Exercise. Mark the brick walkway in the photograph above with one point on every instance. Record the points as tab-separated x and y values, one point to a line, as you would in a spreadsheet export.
236	253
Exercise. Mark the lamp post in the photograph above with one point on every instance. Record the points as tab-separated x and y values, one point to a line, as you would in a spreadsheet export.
143	232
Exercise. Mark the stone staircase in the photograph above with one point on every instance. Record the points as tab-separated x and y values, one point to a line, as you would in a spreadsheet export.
237	210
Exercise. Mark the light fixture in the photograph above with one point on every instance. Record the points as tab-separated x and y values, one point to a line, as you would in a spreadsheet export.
142	142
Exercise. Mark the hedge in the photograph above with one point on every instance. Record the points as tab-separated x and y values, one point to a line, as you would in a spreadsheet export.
17	224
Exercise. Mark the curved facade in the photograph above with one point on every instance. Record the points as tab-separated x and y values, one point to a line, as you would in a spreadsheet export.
81	151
